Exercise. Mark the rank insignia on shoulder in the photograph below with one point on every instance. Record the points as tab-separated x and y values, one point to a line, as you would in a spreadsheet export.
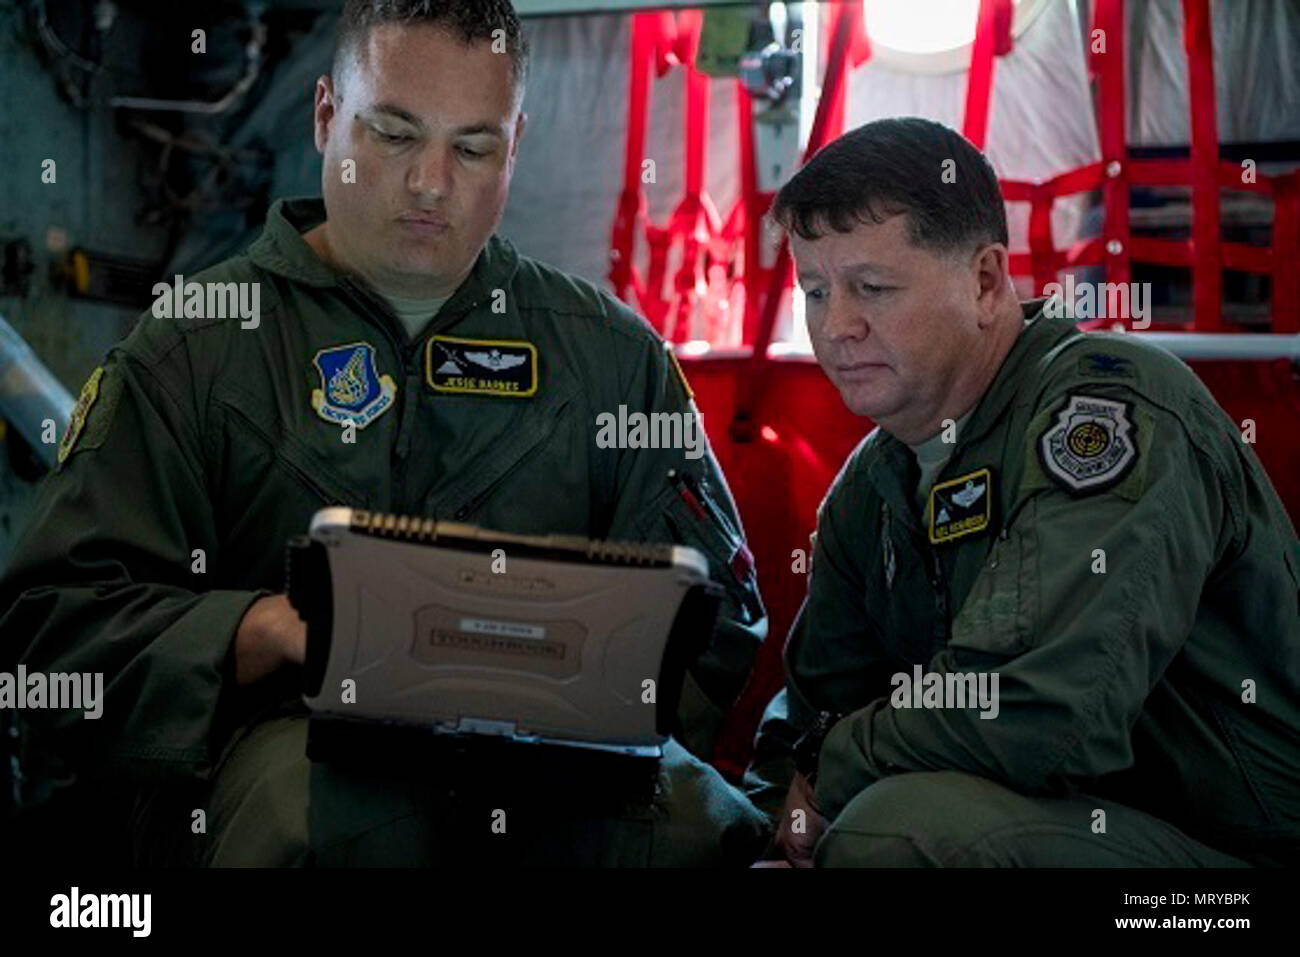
481	367
77	421
352	390
1090	447
1105	364
961	506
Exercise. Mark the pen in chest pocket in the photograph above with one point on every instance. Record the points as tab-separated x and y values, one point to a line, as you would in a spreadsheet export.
689	492
739	558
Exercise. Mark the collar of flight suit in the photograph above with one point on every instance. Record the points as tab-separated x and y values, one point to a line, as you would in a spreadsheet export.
282	250
889	471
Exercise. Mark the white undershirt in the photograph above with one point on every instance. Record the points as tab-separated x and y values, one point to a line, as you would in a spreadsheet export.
414	314
931	456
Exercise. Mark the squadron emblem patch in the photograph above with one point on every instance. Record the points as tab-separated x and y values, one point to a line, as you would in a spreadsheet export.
481	367
961	506
1091	445
352	390
77	421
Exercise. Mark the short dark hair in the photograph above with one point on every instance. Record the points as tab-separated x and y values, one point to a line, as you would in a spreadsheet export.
897	166
471	21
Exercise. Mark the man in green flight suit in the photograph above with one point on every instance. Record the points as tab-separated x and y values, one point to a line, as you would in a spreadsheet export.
1052	607
398	357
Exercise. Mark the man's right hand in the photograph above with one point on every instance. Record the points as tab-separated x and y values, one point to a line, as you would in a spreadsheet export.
802	824
269	635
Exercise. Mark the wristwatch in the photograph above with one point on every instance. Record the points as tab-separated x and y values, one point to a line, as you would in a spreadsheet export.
808	749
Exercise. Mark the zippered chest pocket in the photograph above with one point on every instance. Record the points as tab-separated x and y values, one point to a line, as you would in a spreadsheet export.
1000	612
522	459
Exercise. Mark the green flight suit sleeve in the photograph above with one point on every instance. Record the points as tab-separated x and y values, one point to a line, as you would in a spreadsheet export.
834	660
698	512
1077	650
103	581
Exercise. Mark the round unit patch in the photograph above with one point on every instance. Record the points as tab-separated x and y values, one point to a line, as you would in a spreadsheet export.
1090	447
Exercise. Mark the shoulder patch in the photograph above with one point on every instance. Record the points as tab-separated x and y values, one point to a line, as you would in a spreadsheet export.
1090	446
351	388
77	421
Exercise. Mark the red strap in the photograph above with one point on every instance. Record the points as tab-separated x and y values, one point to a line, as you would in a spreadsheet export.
992	37
1245	258
1112	105
860	42
1147	172
689	223
631	204
1040	240
1206	276
697	129
1230	178
833	84
1083	252
1162	252
666	41
1003	14
1081	180
655	305
1084	179
756	206
842	20
686	44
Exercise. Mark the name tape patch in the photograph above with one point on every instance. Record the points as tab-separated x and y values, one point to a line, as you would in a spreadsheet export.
495	367
961	506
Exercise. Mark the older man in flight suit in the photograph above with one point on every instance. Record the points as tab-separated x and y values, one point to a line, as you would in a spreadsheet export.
1069	513
405	360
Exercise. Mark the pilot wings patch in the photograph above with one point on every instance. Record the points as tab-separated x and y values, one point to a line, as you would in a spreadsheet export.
481	367
961	506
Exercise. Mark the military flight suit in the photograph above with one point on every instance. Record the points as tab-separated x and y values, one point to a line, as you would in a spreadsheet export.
203	436
1107	543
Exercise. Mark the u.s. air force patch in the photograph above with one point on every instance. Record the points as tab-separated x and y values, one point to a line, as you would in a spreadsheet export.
77	421
1091	446
493	367
352	390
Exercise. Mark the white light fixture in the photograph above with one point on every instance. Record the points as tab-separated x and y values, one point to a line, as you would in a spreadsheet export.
932	36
